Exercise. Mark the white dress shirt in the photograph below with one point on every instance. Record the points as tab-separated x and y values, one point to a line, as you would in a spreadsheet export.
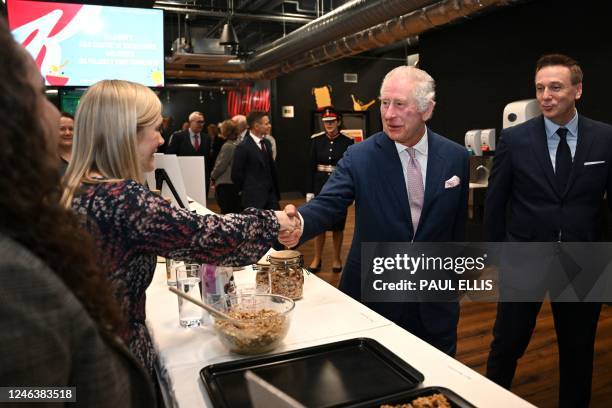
552	139
257	140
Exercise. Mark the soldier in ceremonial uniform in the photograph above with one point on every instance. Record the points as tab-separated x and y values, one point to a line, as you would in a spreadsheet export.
327	148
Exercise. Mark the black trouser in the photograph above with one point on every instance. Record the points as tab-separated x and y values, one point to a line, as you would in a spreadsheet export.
575	324
435	323
228	198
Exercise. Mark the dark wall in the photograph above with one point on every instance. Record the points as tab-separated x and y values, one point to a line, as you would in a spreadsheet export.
180	103
293	134
483	64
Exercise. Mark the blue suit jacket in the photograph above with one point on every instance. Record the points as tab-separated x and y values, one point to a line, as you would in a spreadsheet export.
523	177
370	173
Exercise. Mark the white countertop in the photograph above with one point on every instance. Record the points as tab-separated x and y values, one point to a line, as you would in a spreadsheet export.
323	315
184	352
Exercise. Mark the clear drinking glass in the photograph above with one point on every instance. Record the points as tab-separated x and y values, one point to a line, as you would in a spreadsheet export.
188	282
171	266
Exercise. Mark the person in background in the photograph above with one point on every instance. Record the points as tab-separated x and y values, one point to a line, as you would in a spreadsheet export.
215	143
555	193
253	169
64	144
272	141
193	142
408	184
117	125
327	148
241	121
60	323
184	128
227	193
166	133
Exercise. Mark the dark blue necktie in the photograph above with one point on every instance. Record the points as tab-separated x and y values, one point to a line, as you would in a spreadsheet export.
563	160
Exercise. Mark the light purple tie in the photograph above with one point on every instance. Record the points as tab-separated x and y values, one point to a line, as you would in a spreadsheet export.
416	192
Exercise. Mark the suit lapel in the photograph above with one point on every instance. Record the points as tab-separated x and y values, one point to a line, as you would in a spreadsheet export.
585	140
255	149
537	136
392	174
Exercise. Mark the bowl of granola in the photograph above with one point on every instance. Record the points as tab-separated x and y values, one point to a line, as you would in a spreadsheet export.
257	323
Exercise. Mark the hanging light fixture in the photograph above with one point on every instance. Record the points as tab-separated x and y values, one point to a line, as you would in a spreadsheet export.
228	38
228	35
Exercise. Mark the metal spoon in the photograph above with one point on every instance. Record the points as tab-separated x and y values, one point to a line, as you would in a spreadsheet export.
206	307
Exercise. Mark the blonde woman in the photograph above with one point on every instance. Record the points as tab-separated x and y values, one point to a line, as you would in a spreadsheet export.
59	320
116	134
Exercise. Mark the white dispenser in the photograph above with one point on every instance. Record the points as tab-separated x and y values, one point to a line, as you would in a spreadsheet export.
488	136
520	111
472	141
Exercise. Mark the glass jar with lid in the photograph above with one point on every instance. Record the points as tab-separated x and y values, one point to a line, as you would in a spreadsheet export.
286	274
262	276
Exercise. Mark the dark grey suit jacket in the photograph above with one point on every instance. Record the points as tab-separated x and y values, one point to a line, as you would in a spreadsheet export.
254	174
48	339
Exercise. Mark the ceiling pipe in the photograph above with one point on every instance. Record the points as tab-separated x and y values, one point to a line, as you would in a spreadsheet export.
200	74
388	32
391	31
285	18
349	18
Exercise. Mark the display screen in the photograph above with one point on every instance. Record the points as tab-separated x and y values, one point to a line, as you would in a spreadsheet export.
78	45
69	100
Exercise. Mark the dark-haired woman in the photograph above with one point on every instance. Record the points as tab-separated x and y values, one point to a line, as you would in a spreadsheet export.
60	325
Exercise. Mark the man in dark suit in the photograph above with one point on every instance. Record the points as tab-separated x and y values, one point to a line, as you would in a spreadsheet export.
216	142
409	184
253	169
166	133
553	172
193	142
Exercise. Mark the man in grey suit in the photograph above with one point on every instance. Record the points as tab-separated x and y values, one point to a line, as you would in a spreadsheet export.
193	142
408	184
552	172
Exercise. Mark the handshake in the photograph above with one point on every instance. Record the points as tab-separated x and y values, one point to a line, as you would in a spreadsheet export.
290	226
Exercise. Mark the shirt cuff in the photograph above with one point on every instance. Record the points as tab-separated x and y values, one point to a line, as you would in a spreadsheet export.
301	223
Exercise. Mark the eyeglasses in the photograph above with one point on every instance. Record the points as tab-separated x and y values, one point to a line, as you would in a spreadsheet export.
199	122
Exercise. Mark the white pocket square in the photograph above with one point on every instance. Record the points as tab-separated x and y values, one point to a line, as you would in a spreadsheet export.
452	182
594	162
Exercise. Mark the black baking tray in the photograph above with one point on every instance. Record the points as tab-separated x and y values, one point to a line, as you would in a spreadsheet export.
330	375
406	397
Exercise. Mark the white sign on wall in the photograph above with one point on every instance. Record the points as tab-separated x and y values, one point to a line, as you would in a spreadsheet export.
351	78
287	112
